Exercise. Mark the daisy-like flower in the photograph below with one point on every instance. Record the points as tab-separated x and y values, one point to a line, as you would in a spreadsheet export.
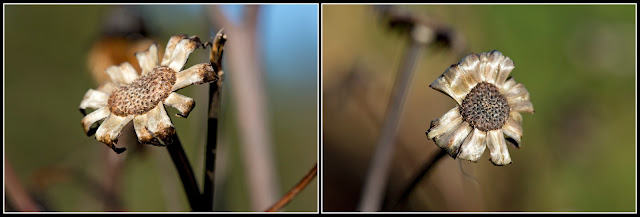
489	105
142	98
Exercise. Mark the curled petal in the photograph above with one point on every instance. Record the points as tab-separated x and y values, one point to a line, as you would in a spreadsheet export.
122	74
459	81
517	93
110	129
182	103
171	46
513	128
510	83
470	65
498	148
93	99
473	146
444	124
489	64
441	84
522	106
518	99
197	74
93	117
148	59
140	126
452	140
181	53
159	125
505	67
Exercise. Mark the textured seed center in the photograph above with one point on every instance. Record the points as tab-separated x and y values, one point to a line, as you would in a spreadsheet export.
144	93
485	108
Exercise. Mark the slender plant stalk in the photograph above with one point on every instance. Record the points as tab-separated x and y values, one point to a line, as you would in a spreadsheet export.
416	180
376	179
16	193
215	58
295	189
185	171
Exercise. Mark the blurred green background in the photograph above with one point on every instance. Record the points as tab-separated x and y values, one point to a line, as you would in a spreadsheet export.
46	76
578	150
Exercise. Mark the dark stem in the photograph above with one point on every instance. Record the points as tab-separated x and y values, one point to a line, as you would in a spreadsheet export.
189	182
295	190
210	151
215	57
416	180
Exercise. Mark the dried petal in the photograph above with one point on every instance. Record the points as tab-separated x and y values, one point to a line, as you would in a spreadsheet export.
148	59
473	146
122	74
182	103
197	74
498	148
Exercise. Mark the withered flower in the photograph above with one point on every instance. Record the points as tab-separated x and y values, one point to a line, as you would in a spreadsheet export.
142	98
489	104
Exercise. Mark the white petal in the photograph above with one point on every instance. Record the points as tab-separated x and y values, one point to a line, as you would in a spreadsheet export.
522	106
473	146
510	83
159	125
513	128
148	59
122	74
441	84
505	67
445	124
140	125
94	99
452	140
459	81
93	117
182	103
110	129
498	148
489	64
181	53
517	93
171	46
197	74
470	65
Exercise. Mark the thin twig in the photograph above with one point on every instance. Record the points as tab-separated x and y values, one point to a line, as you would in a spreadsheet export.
295	189
185	171
416	180
215	57
376	179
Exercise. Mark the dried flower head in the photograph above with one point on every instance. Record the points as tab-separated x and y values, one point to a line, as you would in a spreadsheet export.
142	98
489	104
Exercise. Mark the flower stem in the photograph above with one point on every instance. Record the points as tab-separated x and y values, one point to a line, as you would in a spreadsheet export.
423	172
376	179
189	182
295	189
215	57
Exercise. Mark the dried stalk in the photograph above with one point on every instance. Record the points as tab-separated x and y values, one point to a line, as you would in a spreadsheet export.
185	171
215	58
295	190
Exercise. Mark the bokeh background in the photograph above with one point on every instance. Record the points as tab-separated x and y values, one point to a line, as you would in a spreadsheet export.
46	74
578	150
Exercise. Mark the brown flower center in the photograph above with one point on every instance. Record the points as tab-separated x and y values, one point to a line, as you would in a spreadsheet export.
144	93
485	108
